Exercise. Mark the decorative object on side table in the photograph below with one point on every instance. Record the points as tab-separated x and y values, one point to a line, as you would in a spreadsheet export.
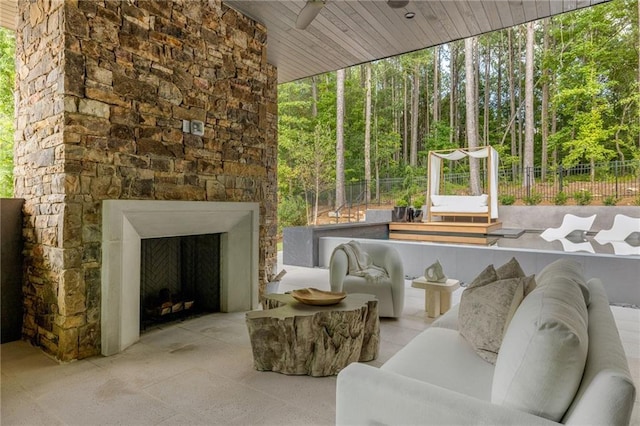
313	296
435	274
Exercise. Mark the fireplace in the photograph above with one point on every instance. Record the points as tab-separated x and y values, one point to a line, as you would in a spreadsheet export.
126	223
179	278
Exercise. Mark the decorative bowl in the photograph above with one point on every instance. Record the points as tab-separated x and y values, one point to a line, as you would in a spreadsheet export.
313	296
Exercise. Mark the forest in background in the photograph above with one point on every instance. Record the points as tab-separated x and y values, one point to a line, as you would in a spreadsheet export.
556	92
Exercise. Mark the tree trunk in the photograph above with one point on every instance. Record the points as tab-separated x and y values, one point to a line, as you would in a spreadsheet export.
367	135
452	92
487	67
520	144
405	118
314	97
544	118
472	119
499	84
528	108
436	86
512	102
415	97
340	191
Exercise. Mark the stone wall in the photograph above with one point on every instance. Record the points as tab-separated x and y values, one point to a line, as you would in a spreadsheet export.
103	87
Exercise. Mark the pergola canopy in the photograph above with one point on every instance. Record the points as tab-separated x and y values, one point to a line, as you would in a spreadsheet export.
435	168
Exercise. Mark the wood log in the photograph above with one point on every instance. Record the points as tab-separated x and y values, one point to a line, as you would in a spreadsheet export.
293	338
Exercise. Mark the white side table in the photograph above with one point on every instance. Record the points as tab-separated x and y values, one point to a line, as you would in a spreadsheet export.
437	296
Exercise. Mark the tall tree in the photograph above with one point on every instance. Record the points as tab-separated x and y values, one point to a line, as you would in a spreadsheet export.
367	134
512	101
340	190
436	86
528	108
471	101
453	72
544	106
487	69
415	102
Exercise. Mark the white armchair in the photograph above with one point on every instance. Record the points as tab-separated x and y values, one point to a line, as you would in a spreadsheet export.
389	290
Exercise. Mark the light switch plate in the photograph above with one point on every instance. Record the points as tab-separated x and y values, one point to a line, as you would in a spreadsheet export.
186	126
197	128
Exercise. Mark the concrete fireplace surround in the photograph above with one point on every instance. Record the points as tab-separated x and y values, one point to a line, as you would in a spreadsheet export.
125	223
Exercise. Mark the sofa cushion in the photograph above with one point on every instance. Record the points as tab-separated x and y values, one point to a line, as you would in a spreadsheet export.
566	268
607	393
485	312
543	353
488	304
443	358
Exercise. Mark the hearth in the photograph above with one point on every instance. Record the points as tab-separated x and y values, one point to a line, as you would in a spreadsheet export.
127	223
179	277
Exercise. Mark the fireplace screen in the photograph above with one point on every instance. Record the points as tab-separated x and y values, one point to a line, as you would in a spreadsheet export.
179	276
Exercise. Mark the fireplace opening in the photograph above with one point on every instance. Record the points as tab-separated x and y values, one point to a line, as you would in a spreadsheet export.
179	278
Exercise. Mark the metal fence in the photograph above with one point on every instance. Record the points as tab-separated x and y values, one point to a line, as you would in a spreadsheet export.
613	180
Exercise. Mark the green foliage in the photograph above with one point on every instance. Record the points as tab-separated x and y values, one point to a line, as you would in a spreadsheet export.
292	211
610	200
507	200
419	201
533	199
402	202
560	199
7	76
582	197
636	201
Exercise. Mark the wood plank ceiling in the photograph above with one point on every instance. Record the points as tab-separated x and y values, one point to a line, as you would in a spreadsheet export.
349	32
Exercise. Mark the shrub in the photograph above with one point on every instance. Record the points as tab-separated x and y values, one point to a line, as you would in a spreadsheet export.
636	202
507	200
292	211
419	201
609	200
582	197
402	202
560	199
533	199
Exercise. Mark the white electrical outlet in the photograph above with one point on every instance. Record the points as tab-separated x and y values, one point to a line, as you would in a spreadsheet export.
197	128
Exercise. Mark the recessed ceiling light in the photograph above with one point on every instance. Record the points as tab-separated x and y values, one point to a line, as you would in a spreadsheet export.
410	15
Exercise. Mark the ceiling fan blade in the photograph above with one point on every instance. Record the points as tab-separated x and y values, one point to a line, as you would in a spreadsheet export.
309	13
397	4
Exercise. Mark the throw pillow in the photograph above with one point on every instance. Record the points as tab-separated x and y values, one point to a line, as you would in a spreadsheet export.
486	307
544	350
511	269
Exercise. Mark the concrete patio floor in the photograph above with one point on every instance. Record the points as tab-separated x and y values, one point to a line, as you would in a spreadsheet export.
200	372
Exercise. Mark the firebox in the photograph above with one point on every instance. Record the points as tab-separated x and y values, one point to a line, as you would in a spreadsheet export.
179	277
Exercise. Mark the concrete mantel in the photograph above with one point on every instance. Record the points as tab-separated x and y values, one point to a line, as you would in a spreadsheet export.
126	222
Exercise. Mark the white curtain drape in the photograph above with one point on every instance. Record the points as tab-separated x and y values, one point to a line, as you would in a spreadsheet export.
435	167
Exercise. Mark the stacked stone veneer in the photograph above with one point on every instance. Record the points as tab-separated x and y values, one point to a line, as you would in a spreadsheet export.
102	89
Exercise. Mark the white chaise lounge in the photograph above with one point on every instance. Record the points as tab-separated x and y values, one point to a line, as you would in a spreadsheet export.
623	226
570	223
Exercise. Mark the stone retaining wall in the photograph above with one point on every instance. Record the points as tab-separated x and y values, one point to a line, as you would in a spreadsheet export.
102	90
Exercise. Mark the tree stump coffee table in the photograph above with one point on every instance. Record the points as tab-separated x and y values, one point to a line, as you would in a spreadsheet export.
294	338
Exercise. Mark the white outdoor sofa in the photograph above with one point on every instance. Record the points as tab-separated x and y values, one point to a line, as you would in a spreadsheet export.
561	361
